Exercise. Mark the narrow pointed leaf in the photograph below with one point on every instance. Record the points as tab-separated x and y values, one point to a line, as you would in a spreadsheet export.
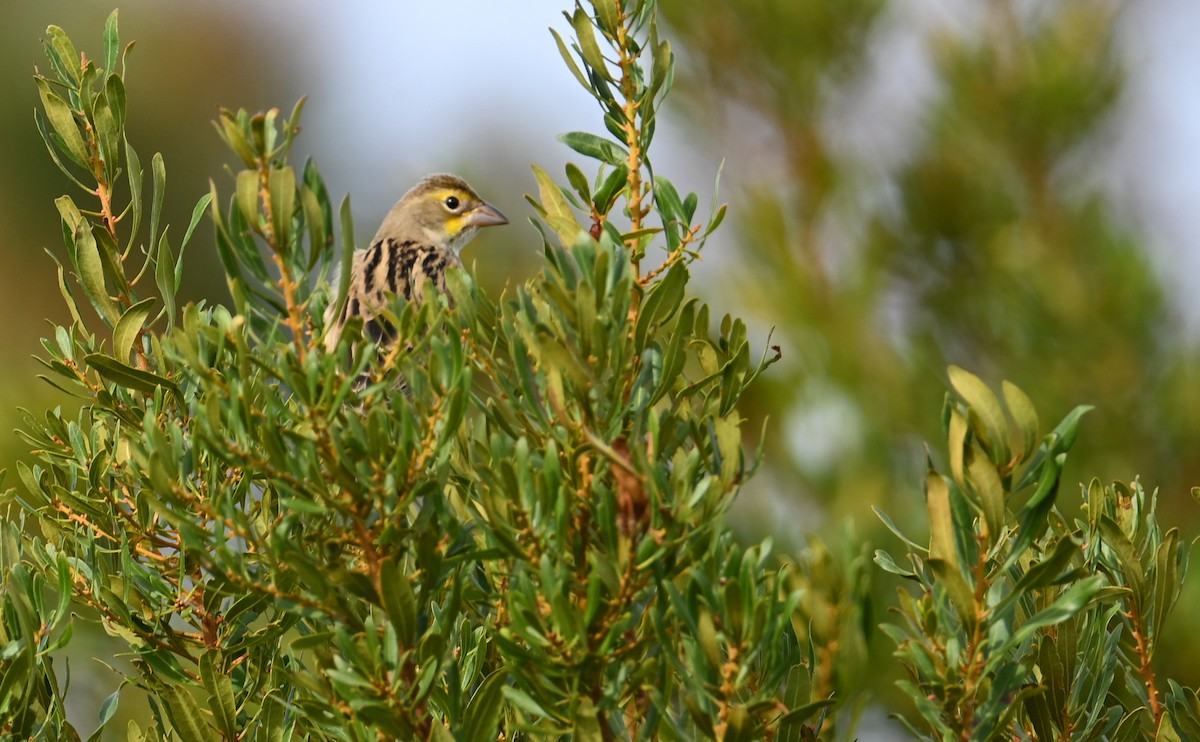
112	43
588	48
282	184
62	120
1024	415
129	326
63	56
187	720
399	602
90	270
985	481
594	146
158	170
570	60
127	376
986	408
483	712
221	701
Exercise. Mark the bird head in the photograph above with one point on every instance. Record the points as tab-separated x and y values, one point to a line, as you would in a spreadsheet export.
441	210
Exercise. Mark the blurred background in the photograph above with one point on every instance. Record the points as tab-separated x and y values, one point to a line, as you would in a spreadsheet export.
1006	185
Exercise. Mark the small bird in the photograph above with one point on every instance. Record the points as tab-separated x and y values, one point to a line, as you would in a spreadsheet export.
420	238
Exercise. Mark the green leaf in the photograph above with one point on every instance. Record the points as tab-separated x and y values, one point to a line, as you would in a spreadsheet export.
439	733
158	170
247	195
797	716
1067	605
596	147
347	256
661	303
168	272
676	350
689	207
90	270
577	180
65	290
670	207
235	137
588	48
1167	582
127	376
1042	573
986	483
52	148
114	92
606	13
108	710
399	602
727	448
187	720
956	445
314	219
587	723
523	701
961	595
221	701
715	221
885	562
558	212
112	43
570	60
606	193
108	136
483	712
740	726
282	184
292	126
1166	731
662	65
706	635
63	57
133	167
942	543
1024	415
128	327
1054	448
986	408
62	120
1126	554
1036	512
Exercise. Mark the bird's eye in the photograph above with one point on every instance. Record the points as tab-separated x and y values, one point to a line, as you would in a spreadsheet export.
451	202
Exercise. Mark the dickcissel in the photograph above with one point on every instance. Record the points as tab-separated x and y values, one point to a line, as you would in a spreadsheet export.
419	240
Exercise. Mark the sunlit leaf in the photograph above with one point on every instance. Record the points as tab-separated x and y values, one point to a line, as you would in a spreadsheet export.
128	327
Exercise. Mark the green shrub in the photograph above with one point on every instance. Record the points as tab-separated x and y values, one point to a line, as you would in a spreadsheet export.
529	541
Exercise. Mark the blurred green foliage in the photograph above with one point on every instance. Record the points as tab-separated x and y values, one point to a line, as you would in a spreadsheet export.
978	239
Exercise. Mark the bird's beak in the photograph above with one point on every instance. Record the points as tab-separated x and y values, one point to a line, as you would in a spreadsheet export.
485	215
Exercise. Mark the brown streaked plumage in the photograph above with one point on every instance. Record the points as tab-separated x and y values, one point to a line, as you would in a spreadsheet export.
420	238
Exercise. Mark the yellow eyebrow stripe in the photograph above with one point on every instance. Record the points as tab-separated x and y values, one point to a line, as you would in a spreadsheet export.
442	195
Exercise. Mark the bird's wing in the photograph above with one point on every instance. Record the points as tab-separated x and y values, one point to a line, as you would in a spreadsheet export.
388	266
